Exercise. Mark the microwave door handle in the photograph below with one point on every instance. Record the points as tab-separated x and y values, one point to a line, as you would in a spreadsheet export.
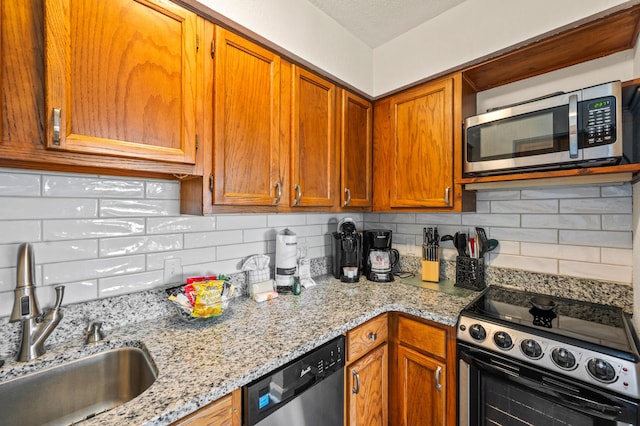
573	126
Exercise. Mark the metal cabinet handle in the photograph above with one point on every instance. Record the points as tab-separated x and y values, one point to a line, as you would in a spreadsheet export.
56	126
296	188
276	201
573	126
348	200
356	376
373	336
447	196
438	373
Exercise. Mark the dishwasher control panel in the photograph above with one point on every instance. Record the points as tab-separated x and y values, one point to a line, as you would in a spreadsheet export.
268	393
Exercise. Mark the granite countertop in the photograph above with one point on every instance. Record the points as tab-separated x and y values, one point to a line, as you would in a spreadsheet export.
203	361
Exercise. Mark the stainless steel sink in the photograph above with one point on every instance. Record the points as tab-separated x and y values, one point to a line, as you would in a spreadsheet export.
76	390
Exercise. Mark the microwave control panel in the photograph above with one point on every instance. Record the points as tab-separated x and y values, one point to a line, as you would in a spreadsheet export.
599	118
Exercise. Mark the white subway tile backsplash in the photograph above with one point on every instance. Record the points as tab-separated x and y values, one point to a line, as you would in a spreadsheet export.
47	208
212	239
557	251
18	231
59	273
113	286
163	190
281	221
562	221
484	220
169	225
438	219
596	205
186	256
240	251
137	208
65	251
22	185
6	305
242	221
75	292
532	235
596	271
622	257
532	264
617	222
95	187
623	190
96	228
144	244
525	206
612	239
103	236
558	192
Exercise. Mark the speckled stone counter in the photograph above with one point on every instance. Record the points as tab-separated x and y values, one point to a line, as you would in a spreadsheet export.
201	362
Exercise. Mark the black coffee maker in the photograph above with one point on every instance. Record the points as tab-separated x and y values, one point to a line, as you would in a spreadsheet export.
347	252
379	258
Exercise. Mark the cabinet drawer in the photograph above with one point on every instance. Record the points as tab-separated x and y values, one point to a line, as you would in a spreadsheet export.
422	336
366	336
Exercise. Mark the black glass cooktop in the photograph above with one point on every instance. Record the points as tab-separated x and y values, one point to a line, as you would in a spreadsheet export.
597	324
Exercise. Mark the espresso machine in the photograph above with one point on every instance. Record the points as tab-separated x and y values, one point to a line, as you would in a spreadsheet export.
379	258
347	252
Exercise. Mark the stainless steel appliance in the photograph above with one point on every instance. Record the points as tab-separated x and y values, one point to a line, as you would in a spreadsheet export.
307	392
379	258
579	128
528	359
347	252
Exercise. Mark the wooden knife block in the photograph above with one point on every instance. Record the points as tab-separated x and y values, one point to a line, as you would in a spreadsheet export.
431	270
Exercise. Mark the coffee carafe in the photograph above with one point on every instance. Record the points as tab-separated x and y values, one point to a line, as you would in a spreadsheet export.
379	258
347	252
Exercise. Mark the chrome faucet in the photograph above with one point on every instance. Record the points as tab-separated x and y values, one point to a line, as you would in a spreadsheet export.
35	326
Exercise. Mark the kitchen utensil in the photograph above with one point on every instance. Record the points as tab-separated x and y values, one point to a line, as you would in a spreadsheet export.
460	243
483	241
543	303
492	244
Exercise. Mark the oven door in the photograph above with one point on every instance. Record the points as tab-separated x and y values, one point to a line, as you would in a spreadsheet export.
494	390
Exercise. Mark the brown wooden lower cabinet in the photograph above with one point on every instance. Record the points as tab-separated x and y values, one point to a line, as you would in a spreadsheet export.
367	389
422	372
226	411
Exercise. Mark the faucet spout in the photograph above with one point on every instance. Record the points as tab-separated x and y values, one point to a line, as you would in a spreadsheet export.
35	327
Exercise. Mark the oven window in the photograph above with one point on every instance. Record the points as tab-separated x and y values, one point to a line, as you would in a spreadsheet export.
507	404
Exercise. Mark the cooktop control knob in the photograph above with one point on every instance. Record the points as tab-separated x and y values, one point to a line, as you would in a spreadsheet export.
503	340
477	332
531	349
563	358
601	370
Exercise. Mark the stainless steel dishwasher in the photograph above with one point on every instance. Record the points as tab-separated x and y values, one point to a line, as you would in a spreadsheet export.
308	391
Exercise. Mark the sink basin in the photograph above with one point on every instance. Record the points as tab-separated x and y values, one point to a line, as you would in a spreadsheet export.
76	390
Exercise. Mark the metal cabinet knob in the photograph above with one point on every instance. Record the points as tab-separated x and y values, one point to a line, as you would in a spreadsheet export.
438	373
296	188
276	201
372	336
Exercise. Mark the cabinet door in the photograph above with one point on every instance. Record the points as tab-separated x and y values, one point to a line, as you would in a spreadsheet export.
422	388
355	151
225	411
120	78
367	389
314	162
246	123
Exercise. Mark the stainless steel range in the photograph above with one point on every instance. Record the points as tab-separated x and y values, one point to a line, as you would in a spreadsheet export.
528	359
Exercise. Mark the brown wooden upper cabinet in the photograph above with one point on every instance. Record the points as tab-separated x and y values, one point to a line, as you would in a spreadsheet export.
417	148
314	151
120	78
247	149
356	150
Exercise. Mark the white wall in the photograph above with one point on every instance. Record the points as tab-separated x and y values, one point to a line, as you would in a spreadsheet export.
469	31
307	32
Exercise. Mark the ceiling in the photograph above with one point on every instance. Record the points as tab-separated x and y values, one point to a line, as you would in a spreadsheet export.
377	21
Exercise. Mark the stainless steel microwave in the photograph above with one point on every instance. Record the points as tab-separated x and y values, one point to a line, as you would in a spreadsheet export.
582	128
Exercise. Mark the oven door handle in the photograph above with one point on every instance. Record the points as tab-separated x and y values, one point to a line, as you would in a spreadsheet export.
547	387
